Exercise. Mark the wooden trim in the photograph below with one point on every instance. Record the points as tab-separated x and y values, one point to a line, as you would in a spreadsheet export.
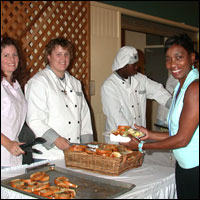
88	52
123	37
146	16
144	26
173	27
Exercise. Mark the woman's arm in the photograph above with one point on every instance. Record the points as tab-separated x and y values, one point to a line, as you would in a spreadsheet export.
152	135
189	120
11	146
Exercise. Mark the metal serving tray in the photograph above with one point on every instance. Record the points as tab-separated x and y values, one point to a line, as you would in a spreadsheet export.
89	187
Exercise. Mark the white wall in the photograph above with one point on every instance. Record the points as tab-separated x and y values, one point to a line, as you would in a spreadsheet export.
105	42
135	39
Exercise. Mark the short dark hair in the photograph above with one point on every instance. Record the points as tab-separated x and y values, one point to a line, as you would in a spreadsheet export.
183	40
61	42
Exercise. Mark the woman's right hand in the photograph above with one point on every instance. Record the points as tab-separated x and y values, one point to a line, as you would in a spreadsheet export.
62	143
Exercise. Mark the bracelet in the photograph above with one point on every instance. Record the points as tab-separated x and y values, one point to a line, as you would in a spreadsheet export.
140	145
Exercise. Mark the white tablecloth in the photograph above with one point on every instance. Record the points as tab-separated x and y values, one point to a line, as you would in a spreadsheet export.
155	179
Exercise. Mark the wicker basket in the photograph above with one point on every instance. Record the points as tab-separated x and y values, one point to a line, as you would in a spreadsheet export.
104	165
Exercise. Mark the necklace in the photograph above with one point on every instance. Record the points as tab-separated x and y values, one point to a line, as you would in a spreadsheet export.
63	87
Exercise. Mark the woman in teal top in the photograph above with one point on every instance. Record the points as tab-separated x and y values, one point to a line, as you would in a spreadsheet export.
183	118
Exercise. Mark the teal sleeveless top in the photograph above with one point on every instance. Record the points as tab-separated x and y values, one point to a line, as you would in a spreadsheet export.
188	156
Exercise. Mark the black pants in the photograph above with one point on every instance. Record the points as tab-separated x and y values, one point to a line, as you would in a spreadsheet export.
187	182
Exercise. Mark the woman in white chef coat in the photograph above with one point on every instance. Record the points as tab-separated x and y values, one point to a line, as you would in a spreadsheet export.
13	103
57	109
125	91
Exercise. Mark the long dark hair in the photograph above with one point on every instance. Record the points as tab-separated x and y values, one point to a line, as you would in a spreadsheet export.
21	73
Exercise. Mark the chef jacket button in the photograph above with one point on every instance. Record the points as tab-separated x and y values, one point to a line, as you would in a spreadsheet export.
69	138
67	106
78	122
132	106
122	82
69	122
139	116
135	118
75	106
70	90
77	138
135	90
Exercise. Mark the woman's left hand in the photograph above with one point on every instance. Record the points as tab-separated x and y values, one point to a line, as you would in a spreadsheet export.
14	148
132	144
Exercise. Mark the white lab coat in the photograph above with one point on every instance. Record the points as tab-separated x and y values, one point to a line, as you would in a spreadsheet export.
124	103
49	108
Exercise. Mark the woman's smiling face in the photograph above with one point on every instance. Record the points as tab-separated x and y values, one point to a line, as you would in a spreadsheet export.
179	62
9	59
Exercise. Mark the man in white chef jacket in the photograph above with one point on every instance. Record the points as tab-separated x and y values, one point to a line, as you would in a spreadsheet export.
125	91
57	109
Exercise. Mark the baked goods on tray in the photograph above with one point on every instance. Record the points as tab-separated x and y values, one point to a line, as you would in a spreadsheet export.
39	184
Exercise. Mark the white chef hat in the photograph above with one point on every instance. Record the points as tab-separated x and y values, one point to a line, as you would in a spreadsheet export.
126	55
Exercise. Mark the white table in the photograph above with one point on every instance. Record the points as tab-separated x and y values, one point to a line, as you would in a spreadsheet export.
155	179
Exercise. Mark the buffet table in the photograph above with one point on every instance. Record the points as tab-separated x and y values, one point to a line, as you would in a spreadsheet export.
155	179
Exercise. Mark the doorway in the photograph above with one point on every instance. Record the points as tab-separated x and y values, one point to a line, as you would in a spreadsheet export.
155	65
149	65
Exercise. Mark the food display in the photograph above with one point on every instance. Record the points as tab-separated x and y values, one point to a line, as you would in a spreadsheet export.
107	150
109	159
88	187
122	132
126	130
78	148
39	184
122	129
